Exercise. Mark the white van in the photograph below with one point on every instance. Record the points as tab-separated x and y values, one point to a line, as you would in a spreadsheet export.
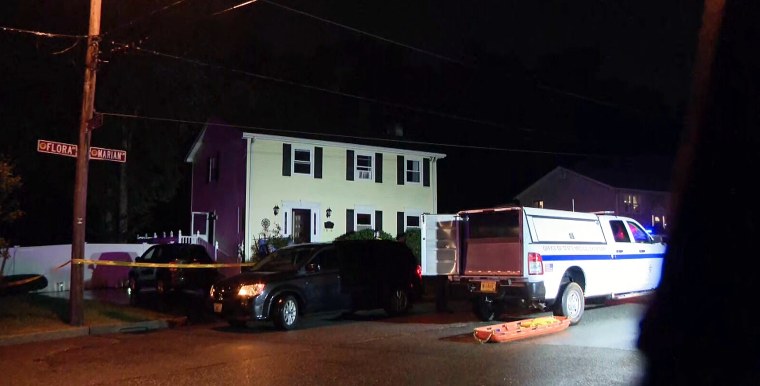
544	259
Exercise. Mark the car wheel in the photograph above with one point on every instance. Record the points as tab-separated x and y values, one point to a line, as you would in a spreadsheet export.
571	304
161	287
484	308
398	303
133	290
286	313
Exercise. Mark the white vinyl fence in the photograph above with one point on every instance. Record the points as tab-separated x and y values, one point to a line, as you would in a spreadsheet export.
46	260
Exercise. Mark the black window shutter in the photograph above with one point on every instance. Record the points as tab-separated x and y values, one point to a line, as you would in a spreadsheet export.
349	220
426	172
379	167
349	165
399	223
378	220
400	170
317	162
285	159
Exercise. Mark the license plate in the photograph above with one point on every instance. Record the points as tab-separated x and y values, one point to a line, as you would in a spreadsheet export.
488	286
217	307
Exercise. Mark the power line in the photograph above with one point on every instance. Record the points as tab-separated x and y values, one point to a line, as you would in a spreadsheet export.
143	17
343	136
43	34
322	89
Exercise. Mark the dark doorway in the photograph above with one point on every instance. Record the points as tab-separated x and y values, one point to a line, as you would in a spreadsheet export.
301	226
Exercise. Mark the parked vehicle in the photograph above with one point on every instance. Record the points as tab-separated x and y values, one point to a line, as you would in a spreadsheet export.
542	259
164	279
317	277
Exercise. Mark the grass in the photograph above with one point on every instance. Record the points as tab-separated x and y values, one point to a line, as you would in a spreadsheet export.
31	313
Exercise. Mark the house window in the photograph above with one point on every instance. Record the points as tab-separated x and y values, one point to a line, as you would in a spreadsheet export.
364	221
538	204
412	221
301	161
631	203
363	167
413	171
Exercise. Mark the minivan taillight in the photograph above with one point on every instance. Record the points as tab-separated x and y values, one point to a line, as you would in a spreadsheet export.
419	271
535	264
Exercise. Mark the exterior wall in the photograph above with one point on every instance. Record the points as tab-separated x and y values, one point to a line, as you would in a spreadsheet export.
567	190
224	196
269	188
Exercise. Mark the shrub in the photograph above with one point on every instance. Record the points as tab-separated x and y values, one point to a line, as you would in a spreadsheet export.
364	234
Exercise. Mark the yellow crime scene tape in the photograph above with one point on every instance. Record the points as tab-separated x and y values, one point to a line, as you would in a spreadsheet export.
154	265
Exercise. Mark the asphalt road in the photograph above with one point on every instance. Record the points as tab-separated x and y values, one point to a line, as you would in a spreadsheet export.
423	348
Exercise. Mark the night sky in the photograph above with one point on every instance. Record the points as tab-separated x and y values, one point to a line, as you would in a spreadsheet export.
507	89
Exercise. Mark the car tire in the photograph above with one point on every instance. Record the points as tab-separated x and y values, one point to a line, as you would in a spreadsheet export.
571	304
134	291
286	313
484	308
161	287
398	302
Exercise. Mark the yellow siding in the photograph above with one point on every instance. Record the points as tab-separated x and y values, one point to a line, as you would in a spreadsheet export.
269	188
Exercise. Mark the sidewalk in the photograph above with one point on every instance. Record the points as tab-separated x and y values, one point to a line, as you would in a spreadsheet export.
114	296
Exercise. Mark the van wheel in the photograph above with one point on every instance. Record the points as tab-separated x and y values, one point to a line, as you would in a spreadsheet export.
484	308
286	313
134	290
571	304
161	287
398	303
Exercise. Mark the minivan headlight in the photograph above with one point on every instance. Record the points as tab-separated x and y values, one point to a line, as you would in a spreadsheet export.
251	290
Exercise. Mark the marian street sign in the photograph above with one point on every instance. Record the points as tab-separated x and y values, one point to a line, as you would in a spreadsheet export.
69	150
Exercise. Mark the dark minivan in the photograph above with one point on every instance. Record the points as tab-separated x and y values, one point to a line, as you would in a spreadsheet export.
166	279
348	276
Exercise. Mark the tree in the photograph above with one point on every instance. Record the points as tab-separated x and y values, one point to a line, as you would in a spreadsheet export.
9	205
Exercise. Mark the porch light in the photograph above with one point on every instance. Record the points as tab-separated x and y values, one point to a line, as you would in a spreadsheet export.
328	212
276	210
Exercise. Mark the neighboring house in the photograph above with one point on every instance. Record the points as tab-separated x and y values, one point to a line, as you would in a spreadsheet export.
642	195
311	190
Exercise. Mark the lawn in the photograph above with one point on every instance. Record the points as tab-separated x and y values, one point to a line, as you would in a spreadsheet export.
31	312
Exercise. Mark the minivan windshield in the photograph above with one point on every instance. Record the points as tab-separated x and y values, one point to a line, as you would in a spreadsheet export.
286	259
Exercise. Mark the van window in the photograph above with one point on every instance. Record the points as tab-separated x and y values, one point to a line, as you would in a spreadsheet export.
639	234
494	224
618	231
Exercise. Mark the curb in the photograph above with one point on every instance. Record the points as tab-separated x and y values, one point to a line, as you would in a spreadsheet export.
73	332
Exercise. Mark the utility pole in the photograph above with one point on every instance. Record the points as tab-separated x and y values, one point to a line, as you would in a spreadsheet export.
76	297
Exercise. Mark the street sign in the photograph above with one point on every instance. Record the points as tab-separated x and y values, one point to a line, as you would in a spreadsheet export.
108	154
69	150
58	148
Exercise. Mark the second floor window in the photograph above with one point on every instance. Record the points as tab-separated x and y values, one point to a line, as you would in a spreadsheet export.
413	171
302	161
631	203
364	167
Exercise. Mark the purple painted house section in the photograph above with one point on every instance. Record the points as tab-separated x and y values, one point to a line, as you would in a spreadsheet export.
218	171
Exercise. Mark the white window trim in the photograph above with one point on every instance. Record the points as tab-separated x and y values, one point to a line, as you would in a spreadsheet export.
293	150
371	166
406	180
364	209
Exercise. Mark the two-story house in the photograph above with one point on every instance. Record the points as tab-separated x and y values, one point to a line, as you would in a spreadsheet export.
246	183
640	192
